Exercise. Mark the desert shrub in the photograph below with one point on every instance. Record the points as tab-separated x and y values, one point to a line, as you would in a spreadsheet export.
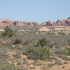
42	53
8	66
58	62
51	64
49	33
42	42
61	33
69	49
17	56
25	62
8	31
69	42
17	41
62	51
69	52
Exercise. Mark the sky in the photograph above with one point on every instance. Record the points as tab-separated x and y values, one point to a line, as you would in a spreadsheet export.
35	10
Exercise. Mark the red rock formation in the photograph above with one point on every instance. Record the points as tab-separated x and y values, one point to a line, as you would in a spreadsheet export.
54	24
5	22
48	23
30	23
43	24
18	23
63	22
68	21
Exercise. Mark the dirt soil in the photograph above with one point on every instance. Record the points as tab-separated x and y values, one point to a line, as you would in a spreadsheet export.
39	64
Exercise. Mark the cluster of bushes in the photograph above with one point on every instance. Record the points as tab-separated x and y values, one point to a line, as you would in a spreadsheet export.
42	42
40	50
8	32
63	51
42	53
8	66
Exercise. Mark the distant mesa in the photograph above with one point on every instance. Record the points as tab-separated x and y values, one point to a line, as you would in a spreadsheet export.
6	22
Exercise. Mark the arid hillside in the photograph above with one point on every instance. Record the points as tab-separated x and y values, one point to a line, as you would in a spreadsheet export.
34	50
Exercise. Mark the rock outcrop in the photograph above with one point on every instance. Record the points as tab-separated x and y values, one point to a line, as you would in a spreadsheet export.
30	23
6	22
18	23
58	23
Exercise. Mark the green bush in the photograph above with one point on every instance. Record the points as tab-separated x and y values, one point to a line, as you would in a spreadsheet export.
42	53
42	42
61	33
8	32
17	41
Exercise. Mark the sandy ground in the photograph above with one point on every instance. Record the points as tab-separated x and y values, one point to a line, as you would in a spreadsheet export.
55	67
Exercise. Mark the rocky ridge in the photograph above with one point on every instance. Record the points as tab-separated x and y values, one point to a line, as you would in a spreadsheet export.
64	22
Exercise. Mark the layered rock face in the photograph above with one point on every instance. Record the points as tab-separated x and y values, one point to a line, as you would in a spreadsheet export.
6	22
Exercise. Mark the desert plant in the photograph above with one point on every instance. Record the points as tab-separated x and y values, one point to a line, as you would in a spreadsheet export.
8	31
58	62
17	41
17	56
69	42
42	42
69	52
49	33
8	66
61	33
62	51
42	53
